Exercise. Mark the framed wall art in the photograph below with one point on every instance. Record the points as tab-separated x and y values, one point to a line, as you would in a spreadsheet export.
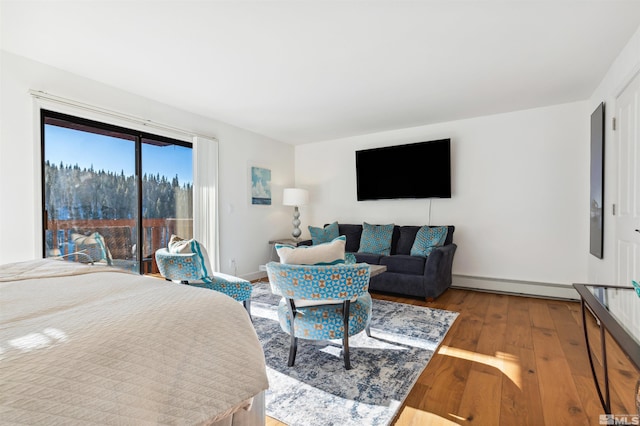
260	186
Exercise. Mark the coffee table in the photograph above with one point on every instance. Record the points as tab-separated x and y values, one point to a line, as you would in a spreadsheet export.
376	270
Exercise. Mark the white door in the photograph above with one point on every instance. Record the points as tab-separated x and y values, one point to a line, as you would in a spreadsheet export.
628	197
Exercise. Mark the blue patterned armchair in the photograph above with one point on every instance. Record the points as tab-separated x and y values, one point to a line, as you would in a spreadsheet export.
322	302
190	268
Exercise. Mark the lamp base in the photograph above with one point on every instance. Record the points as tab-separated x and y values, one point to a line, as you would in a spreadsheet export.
296	223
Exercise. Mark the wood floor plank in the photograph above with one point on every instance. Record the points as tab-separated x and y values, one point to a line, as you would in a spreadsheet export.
518	333
447	373
560	401
571	337
520	399
413	417
479	404
490	348
444	385
539	313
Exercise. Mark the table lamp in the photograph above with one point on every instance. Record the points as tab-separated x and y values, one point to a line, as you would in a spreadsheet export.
295	197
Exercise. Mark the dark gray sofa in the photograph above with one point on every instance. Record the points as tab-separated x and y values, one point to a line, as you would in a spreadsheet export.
407	275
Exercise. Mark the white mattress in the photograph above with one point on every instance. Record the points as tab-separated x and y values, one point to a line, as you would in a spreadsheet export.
89	344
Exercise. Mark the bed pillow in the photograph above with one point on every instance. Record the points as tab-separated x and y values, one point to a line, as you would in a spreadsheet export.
322	254
324	235
376	239
93	245
428	238
180	245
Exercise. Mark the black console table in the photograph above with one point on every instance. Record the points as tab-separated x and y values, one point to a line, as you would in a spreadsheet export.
619	319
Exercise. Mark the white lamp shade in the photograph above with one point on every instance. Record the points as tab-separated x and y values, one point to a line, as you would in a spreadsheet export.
295	197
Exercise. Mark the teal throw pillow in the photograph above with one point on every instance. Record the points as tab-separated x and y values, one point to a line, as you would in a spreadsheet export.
324	235
93	246
428	238
376	239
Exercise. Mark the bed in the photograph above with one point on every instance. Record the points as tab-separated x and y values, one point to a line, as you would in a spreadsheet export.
93	344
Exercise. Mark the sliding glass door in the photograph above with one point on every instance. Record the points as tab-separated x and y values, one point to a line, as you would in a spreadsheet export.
167	193
105	188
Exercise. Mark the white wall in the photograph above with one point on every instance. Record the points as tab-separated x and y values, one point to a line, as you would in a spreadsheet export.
621	72
244	229
520	199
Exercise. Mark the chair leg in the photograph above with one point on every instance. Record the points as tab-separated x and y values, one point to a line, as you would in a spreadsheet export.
345	352
292	350
345	339
368	331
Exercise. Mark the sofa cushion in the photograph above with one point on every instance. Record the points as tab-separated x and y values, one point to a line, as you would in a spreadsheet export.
324	235
407	237
427	238
376	239
395	237
322	254
370	258
404	263
353	234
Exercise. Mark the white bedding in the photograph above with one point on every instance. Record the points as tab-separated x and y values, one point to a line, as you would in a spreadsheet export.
89	344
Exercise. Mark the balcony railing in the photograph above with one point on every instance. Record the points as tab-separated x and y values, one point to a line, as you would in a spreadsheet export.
120	236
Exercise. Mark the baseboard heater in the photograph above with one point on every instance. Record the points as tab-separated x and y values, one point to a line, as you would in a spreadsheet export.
524	288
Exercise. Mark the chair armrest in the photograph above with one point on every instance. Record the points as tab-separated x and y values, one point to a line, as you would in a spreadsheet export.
437	269
178	266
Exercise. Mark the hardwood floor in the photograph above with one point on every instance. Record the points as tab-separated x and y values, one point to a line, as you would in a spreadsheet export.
511	360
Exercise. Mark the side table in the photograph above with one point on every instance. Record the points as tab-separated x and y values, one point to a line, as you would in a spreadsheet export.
617	309
288	241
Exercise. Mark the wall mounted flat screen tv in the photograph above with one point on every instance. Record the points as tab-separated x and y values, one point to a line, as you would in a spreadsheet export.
416	170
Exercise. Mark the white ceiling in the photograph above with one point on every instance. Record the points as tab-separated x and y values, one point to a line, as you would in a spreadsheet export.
304	71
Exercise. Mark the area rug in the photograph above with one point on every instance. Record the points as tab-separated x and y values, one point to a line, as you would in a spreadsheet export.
317	390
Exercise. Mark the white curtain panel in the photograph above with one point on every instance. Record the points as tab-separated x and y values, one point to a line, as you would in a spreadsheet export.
205	196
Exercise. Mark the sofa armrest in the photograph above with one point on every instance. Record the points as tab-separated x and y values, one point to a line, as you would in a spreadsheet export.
437	269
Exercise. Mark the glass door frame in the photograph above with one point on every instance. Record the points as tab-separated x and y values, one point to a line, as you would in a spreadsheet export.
108	128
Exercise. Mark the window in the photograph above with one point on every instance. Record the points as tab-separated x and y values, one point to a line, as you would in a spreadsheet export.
106	188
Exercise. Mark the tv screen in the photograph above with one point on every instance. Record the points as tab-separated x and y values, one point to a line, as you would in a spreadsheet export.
417	170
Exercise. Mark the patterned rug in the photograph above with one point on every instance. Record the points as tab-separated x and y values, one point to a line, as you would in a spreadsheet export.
317	390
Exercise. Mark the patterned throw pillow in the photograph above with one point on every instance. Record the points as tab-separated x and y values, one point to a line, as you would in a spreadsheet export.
376	239
93	246
324	235
179	245
322	254
428	238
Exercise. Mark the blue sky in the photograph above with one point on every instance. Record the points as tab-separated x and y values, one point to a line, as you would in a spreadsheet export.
113	154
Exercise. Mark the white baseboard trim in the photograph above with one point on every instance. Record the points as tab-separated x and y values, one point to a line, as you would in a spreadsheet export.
254	276
500	285
525	288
